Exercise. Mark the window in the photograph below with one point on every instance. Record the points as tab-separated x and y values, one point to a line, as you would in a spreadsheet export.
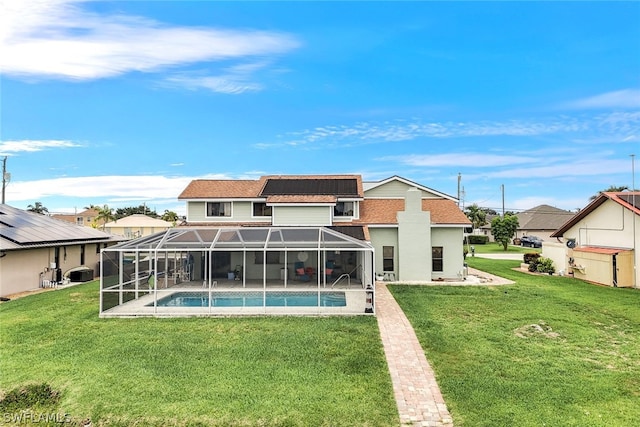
387	258
436	258
261	209
343	209
79	220
218	208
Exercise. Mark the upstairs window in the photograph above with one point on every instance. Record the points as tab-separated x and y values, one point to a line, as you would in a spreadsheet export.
343	209
79	220
218	208
261	209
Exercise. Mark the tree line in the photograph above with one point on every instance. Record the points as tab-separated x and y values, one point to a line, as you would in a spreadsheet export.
106	214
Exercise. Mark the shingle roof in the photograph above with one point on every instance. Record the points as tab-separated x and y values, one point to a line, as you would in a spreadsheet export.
334	185
221	188
384	211
624	198
543	217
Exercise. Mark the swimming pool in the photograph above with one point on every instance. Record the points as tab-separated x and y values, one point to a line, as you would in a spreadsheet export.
253	299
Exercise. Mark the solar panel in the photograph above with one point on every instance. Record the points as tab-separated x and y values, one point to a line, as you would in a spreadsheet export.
25	227
311	187
633	200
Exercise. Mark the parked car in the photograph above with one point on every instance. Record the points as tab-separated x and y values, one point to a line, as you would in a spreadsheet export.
531	241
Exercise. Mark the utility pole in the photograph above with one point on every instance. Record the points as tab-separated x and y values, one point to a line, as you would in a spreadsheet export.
502	187
633	202
6	177
459	178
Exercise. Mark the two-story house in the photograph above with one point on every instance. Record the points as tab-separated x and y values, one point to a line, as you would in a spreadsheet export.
261	244
417	232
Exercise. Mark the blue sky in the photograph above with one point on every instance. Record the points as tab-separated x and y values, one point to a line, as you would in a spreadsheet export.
124	103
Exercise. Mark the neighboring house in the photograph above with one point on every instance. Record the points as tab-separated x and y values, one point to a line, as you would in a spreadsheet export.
541	221
416	232
599	243
37	249
136	225
88	218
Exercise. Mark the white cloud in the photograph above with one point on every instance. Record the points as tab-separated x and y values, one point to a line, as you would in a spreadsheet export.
98	188
458	159
60	39
8	147
626	98
610	127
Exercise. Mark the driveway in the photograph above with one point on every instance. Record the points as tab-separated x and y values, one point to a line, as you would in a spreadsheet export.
516	257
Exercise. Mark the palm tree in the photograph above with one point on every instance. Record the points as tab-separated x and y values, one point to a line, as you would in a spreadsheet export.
611	189
169	216
105	214
38	208
476	215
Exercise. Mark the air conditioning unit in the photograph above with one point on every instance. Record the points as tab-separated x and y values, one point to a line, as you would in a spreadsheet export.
571	243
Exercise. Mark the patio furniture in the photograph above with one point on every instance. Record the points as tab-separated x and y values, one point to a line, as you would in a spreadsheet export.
301	273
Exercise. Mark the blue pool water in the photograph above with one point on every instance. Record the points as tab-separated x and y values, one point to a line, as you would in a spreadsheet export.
253	299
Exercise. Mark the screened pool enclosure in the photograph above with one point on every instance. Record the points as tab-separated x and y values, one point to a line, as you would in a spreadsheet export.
240	270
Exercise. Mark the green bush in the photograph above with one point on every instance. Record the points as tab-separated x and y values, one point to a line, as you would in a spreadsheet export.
545	265
477	239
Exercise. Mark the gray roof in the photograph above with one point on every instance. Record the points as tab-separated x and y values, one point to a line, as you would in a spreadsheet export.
20	229
543	217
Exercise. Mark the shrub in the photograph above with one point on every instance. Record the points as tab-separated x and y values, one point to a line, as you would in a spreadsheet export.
533	265
478	239
529	257
545	265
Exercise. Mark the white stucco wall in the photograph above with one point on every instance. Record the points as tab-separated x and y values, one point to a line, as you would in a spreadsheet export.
387	236
557	252
609	225
302	215
20	269
451	239
414	239
394	189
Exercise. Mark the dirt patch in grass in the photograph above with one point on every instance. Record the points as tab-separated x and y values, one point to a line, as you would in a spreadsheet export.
27	293
536	329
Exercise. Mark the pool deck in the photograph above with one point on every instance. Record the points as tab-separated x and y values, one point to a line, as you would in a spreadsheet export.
354	295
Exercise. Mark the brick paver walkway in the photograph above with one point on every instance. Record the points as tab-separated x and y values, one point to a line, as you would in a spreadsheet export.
414	384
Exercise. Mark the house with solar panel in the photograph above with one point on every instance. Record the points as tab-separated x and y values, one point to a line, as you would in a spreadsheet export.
39	251
600	243
331	235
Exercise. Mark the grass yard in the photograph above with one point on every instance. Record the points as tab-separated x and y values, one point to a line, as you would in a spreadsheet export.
271	371
548	350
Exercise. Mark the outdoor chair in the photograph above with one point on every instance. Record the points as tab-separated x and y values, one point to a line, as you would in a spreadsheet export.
301	273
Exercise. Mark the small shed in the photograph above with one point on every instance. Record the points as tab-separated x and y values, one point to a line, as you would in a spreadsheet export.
606	266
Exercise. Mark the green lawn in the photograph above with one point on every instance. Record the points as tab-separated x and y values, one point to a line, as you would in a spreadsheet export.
550	351
272	371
